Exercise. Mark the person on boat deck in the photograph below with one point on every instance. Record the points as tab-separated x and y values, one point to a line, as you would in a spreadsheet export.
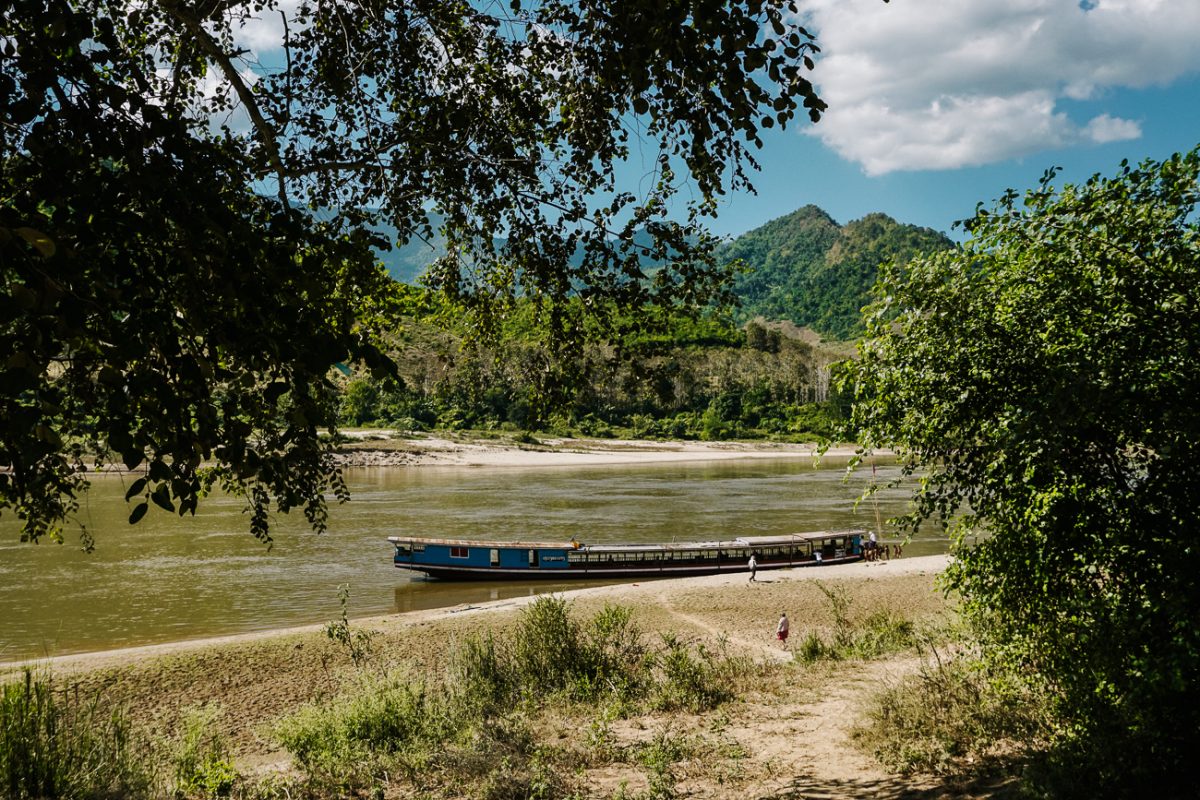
753	565
781	630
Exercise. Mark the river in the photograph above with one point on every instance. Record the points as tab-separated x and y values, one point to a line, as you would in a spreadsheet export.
170	579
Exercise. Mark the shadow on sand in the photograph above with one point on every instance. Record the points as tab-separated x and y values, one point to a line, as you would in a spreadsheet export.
814	787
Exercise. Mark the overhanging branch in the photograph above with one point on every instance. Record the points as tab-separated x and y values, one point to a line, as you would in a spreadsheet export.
225	63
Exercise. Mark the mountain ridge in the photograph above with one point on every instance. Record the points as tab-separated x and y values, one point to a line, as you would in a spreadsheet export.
805	268
802	267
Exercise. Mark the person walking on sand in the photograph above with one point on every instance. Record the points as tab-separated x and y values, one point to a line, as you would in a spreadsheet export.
781	630
753	566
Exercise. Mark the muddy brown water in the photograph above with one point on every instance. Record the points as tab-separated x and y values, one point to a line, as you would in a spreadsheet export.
169	579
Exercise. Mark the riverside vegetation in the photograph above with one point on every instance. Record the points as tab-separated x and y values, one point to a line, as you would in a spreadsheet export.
556	705
682	378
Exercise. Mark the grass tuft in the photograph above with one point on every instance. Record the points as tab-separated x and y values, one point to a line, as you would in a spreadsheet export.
952	717
56	744
881	633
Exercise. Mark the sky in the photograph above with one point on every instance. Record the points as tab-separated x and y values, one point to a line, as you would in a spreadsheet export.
937	105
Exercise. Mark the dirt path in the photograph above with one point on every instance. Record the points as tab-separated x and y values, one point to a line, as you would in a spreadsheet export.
755	648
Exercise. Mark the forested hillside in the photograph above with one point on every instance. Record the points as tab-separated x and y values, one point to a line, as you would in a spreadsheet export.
808	270
671	377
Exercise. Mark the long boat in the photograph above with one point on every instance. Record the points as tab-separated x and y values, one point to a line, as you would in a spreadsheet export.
468	559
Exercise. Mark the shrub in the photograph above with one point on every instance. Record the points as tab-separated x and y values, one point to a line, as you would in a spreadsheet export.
812	648
480	675
339	743
696	681
201	760
548	651
880	633
951	716
55	744
615	654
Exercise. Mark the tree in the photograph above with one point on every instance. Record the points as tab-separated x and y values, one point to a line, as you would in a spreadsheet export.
1043	381
186	235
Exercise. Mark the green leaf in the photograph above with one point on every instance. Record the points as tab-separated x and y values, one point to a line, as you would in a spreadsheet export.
162	498
138	512
135	488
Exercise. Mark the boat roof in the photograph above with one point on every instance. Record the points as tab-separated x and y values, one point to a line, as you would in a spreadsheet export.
520	545
741	542
647	548
738	543
788	538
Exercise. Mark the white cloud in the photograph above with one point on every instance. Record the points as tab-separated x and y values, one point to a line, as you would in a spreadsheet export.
262	31
941	84
1103	129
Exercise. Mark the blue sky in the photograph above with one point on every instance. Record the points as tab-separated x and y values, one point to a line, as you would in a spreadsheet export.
936	105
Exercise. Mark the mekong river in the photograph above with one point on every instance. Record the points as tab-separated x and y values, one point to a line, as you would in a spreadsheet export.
170	579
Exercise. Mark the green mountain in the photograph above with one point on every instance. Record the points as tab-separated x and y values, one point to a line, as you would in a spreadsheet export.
807	269
803	267
407	261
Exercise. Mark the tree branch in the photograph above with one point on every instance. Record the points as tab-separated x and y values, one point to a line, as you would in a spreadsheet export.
223	61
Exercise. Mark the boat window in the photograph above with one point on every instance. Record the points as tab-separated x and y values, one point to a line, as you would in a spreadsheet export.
459	552
495	557
533	558
403	550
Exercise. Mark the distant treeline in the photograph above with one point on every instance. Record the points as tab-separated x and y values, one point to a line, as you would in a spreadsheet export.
679	377
716	376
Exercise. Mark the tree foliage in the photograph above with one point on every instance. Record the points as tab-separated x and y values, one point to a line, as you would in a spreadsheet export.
1044	379
186	235
679	376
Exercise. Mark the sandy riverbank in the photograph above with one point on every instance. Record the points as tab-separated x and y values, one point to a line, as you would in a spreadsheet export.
257	678
373	448
632	594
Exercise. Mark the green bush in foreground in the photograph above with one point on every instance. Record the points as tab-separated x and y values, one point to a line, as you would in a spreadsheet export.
472	728
1042	382
343	743
200	760
953	717
54	744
